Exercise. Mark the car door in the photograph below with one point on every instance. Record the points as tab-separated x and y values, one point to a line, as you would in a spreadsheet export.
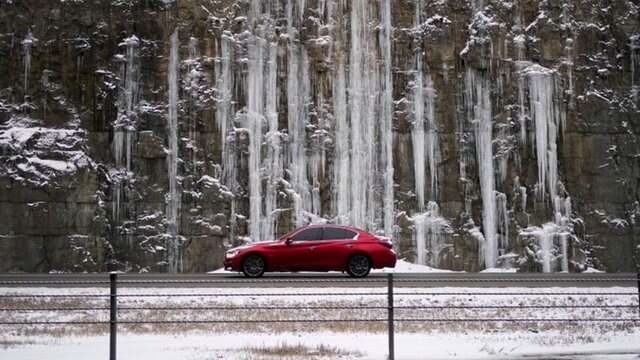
336	245
297	253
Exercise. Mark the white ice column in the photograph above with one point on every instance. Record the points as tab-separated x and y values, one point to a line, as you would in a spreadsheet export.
253	122
298	87
428	229
224	86
363	87
386	117
124	128
479	110
424	136
273	158
130	74
342	161
173	198
224	80
548	124
27	44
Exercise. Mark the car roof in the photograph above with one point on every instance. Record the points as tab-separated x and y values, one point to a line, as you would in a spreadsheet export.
340	226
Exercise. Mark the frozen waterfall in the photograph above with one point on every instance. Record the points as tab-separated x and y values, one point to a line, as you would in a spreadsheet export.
27	44
173	197
548	124
253	122
427	221
428	230
479	112
125	126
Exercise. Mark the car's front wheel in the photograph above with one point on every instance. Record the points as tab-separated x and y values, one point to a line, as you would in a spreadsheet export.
358	265
253	265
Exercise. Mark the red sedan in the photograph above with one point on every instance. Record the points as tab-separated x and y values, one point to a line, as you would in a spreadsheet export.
314	248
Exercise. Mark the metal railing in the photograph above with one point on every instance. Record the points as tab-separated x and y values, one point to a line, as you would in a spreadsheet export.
115	299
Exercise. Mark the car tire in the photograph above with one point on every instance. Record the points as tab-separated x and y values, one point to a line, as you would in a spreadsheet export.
253	265
358	265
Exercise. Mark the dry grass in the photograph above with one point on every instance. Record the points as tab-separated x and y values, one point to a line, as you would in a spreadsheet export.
286	351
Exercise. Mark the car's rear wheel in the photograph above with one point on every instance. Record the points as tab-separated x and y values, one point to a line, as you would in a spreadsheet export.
358	265
253	265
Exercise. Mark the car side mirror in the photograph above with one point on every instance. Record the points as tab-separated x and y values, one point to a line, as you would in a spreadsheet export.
288	241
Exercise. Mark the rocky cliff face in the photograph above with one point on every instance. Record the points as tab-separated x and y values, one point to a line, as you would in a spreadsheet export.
146	135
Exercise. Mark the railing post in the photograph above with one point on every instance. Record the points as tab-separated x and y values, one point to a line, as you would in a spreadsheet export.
113	318
390	313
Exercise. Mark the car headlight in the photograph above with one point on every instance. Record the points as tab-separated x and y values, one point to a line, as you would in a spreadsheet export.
232	253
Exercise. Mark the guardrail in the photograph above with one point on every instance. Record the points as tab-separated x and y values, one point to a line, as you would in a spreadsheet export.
386	313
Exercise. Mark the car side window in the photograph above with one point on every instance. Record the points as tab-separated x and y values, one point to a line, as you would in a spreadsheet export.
308	234
338	234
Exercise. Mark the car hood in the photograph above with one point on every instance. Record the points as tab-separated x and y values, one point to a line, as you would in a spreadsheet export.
254	245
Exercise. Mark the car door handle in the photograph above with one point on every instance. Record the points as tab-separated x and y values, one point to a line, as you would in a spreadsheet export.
312	247
348	246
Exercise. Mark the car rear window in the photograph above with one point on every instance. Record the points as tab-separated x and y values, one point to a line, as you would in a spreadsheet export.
308	234
338	233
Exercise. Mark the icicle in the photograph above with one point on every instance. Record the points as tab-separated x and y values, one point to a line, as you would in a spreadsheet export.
428	230
519	44
173	198
417	137
424	138
224	84
503	220
124	131
478	99
546	243
386	117
523	198
568	46
27	44
565	259
224	108
272	161
131	74
254	118
358	96
192	85
342	163
545	121
298	87
420	237
122	147
634	45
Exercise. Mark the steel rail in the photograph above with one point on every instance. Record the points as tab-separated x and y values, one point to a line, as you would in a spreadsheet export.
235	321
416	307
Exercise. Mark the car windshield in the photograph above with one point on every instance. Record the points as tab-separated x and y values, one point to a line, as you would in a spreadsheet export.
288	235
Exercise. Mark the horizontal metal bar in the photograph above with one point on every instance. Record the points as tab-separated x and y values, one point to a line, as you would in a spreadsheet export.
397	279
125	322
416	307
106	296
525	280
55	282
253	294
436	293
518	320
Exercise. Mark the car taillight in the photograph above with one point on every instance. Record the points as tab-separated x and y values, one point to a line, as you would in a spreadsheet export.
386	241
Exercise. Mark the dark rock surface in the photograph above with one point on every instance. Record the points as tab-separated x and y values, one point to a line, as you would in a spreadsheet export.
85	146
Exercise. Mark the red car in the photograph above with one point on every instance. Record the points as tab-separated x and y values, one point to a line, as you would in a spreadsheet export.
314	248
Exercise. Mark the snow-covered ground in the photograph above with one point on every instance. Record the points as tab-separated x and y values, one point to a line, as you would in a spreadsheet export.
278	339
362	346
